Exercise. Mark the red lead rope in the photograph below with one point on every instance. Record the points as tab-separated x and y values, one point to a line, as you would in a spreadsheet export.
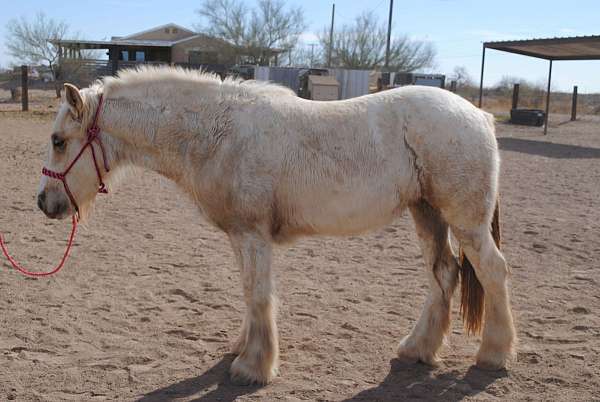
24	271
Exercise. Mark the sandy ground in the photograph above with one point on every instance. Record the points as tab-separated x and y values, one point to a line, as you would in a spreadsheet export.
40	102
150	301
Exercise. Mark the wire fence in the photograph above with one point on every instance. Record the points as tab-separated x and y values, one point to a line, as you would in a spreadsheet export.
83	72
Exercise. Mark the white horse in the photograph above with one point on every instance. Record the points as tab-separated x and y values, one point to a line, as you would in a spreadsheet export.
266	167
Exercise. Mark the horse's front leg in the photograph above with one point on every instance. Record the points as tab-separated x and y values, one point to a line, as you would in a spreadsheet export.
258	346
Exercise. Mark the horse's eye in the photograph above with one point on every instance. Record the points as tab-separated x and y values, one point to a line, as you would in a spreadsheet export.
58	143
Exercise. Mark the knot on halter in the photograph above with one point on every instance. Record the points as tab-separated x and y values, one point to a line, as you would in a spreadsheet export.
92	132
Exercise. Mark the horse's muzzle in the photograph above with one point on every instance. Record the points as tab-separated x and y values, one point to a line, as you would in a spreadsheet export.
53	207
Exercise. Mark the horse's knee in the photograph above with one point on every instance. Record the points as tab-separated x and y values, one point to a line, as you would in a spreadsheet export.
446	272
432	231
493	270
488	262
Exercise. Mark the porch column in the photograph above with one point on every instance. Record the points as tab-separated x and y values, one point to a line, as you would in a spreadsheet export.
481	79
113	57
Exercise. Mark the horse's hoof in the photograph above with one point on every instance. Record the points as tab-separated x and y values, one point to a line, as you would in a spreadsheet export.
492	361
409	353
491	365
244	374
407	356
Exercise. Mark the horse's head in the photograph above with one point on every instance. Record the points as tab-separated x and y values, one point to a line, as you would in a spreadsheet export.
77	190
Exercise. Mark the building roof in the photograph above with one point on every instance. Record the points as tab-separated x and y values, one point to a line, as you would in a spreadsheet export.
161	27
104	44
131	41
571	48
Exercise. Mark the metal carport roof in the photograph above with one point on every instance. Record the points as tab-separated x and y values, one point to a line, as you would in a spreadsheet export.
573	48
551	49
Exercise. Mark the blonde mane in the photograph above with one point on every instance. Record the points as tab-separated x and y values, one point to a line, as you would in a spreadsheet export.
199	79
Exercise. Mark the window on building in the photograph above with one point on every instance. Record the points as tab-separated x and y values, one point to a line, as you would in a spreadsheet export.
124	55
140	55
199	57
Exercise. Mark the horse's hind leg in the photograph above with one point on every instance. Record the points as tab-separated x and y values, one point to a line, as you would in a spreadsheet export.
491	270
257	347
442	269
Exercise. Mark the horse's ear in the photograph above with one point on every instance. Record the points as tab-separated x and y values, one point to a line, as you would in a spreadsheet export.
74	99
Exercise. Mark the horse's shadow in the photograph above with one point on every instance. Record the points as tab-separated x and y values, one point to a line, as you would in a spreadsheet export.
217	376
403	382
418	382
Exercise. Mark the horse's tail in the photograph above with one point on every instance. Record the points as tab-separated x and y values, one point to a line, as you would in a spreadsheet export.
472	295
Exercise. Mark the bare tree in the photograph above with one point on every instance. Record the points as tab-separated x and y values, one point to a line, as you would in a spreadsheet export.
255	33
462	77
361	45
28	41
303	55
531	93
507	82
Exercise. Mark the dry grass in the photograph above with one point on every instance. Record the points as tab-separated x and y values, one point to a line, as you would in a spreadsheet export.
40	101
496	102
499	101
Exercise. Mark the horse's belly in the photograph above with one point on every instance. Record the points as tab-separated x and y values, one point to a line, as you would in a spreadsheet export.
339	213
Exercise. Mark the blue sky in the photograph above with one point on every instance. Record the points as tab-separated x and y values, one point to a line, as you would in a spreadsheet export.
456	28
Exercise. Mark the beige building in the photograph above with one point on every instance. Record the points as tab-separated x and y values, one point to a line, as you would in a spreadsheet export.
170	43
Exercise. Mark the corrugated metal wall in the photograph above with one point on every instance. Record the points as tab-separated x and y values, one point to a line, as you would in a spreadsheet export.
261	73
287	76
353	83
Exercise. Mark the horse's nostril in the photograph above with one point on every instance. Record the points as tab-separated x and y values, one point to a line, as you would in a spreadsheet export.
41	201
61	208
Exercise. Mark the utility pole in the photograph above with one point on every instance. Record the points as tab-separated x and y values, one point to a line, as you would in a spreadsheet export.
312	54
331	36
389	36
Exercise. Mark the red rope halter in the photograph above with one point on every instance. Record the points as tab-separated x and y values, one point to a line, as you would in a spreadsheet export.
92	135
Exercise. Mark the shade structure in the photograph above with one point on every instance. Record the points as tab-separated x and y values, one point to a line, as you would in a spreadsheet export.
573	48
551	49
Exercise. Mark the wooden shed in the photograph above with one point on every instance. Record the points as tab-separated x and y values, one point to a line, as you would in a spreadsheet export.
323	88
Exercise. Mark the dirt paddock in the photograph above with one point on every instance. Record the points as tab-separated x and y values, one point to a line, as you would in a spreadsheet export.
150	301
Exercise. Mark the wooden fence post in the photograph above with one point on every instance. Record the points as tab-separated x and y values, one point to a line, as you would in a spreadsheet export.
515	100
574	105
24	88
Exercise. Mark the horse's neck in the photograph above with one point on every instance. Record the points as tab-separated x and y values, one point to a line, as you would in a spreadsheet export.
142	135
